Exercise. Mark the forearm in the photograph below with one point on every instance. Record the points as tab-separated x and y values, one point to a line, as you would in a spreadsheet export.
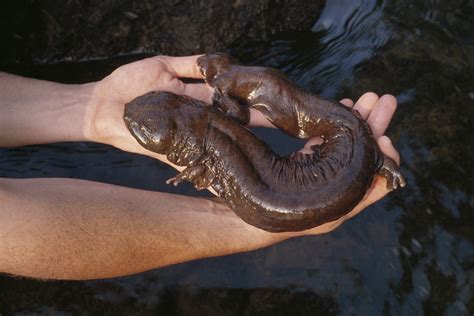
74	229
37	112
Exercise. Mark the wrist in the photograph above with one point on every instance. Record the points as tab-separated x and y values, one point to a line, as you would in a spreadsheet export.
103	119
39	112
69	115
91	106
60	111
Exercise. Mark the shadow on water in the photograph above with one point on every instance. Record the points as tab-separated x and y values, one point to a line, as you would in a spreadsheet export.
412	253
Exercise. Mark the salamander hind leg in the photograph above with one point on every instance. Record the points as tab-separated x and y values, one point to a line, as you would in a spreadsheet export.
199	175
391	173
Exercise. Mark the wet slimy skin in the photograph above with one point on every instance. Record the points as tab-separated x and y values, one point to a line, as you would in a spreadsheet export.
266	190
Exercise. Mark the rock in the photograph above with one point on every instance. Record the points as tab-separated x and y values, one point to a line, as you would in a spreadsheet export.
46	31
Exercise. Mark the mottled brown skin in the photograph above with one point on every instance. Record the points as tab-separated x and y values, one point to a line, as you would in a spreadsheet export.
266	190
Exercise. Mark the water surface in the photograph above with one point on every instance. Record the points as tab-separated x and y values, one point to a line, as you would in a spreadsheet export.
412	253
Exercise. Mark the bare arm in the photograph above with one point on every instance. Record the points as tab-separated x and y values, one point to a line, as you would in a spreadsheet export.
38	112
64	228
74	229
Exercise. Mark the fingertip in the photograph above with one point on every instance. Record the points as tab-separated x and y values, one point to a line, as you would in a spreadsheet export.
368	96
381	114
388	149
389	100
385	140
184	67
366	103
347	102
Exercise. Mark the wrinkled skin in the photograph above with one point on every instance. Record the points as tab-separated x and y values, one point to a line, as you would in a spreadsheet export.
268	191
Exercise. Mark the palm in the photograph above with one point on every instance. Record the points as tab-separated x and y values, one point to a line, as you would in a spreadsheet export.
131	81
164	73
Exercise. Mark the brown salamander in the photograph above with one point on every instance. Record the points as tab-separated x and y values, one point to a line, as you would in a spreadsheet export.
266	190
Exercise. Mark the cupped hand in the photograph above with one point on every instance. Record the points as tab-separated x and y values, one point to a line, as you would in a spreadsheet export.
378	112
105	109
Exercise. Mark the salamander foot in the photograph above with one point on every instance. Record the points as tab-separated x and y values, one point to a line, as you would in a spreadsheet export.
391	173
200	176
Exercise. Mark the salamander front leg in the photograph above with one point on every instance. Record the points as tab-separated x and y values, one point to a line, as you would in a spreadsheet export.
391	173
231	107
200	176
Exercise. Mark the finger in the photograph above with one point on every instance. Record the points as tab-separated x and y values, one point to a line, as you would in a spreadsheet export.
200	91
387	148
347	102
182	67
258	119
366	103
382	114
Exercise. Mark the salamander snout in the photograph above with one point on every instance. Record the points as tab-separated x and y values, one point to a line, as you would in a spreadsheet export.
211	65
141	132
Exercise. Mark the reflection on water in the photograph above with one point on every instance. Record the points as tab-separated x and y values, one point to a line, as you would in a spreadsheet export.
324	59
412	253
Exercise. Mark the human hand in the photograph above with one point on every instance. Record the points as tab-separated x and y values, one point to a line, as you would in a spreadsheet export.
104	122
378	112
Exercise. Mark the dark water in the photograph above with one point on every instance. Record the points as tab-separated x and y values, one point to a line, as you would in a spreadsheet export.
411	254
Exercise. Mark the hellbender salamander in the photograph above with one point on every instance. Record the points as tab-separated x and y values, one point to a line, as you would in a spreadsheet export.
266	190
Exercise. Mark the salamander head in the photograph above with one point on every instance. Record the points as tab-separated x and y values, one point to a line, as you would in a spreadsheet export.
147	117
211	65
